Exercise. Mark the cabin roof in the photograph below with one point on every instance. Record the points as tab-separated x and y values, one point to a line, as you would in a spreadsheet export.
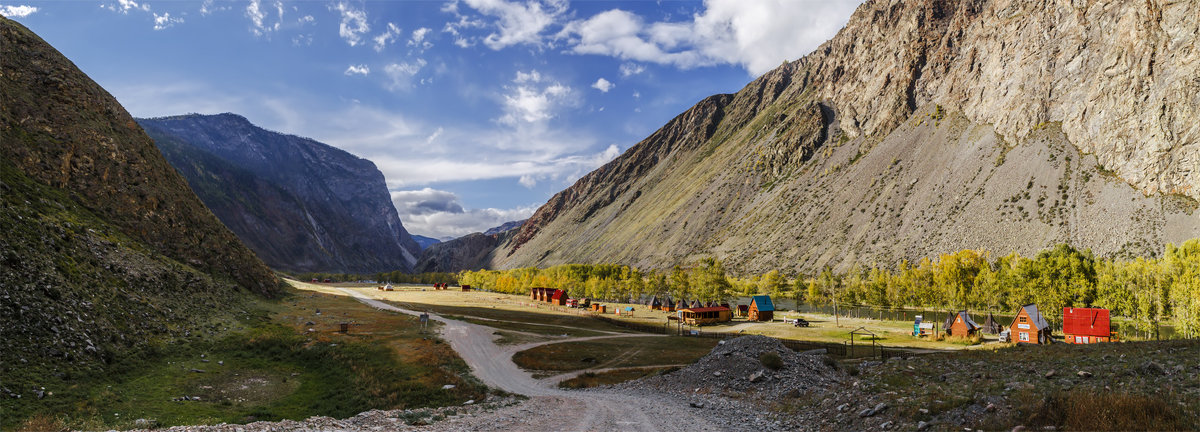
1035	316
705	309
763	303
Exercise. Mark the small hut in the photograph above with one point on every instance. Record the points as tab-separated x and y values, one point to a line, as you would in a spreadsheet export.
743	310
559	297
1087	325
466	288
961	325
695	304
705	315
761	308
655	303
1029	326
990	325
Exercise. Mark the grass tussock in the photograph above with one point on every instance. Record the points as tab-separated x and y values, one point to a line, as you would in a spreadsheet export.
1099	411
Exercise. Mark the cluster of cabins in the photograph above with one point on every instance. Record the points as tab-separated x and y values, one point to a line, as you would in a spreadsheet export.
1080	326
700	313
443	286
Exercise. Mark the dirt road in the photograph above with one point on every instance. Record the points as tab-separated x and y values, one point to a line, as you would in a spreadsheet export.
549	408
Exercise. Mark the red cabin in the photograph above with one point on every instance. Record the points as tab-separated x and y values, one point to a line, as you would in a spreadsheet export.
559	298
1087	325
466	288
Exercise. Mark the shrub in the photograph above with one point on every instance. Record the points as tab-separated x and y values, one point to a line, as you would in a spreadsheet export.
771	360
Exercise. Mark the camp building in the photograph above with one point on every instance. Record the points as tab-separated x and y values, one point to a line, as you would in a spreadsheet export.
1029	326
1087	325
761	308
961	325
705	315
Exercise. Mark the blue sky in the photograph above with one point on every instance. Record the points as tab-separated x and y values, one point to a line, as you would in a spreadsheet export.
476	111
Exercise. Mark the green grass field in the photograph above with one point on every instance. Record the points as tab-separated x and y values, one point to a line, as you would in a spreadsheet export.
272	368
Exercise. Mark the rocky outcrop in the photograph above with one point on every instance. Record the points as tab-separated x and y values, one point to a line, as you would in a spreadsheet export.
470	252
299	204
923	127
105	250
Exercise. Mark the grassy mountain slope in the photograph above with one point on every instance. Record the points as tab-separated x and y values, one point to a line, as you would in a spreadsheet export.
886	144
106	251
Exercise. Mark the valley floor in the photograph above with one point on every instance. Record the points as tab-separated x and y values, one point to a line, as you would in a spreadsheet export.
1145	385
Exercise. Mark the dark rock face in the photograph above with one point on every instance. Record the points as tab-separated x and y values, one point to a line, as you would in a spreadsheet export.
507	226
425	242
299	204
105	248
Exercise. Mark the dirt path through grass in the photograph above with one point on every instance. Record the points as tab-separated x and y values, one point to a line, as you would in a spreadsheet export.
550	409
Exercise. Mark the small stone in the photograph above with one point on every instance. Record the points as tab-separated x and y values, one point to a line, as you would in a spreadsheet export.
1084	374
447	386
1019	428
885	425
1050	374
696	404
843	407
717	373
990	408
923	411
469	402
756	377
866	412
198	370
922	425
221	362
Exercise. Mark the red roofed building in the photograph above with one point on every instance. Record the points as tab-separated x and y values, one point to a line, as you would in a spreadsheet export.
1087	325
559	297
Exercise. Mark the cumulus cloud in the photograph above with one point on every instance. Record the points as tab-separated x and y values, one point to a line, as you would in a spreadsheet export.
511	22
259	14
418	39
353	24
360	69
21	11
388	36
631	69
124	6
440	214
603	85
756	35
165	21
401	75
533	99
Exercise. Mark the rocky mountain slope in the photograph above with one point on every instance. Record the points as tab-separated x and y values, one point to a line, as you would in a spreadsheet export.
470	252
299	204
105	249
923	127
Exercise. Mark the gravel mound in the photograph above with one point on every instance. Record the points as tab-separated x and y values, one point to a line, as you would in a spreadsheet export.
737	365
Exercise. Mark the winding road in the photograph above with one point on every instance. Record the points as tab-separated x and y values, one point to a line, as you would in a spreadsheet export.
549	408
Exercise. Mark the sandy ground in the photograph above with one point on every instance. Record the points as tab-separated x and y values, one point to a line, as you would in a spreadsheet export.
549	408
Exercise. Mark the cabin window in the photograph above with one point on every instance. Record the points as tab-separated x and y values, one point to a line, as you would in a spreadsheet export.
1085	339
1023	319
1078	339
1024	336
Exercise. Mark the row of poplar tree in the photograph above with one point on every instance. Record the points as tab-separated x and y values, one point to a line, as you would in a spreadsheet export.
1149	291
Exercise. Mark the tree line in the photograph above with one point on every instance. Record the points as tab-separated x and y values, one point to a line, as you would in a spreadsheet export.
396	277
1149	291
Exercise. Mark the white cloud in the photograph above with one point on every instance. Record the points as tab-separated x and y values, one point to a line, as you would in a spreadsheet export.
353	24
21	11
418	39
307	19
400	75
631	69
512	22
434	136
637	95
388	36
533	99
258	17
124	6
603	85
756	35
440	214
165	21
360	69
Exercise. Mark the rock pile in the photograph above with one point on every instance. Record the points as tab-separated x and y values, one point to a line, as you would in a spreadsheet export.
736	365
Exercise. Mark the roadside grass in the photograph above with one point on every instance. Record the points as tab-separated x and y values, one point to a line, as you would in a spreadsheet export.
273	368
614	353
542	321
529	327
595	379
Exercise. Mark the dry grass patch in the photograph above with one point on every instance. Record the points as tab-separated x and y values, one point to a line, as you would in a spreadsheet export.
614	353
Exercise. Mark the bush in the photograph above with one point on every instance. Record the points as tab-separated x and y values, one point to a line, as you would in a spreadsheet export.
771	360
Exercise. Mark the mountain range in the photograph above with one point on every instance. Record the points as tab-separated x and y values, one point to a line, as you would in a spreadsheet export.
301	205
921	128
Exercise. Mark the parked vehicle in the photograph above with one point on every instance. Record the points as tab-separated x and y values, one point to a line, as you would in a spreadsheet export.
800	322
1004	335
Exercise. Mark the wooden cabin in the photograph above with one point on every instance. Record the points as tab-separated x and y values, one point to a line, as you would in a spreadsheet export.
743	310
1087	325
466	288
559	298
706	315
761	308
655	303
961	325
1029	326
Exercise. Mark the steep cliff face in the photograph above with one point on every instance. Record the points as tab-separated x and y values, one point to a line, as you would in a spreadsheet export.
923	127
470	252
105	249
299	204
